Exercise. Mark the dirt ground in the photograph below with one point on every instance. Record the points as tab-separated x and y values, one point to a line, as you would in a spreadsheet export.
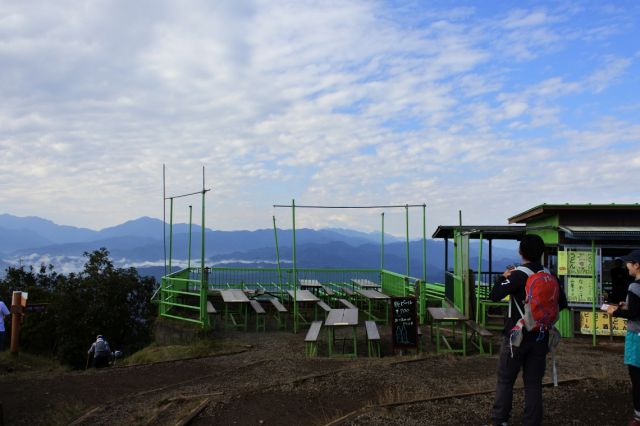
265	379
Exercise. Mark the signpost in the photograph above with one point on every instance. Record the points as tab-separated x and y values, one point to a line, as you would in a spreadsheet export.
18	309
404	324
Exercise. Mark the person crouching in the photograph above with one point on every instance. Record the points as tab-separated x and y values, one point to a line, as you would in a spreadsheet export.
101	352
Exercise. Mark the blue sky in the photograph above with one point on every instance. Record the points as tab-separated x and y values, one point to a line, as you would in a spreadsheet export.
485	107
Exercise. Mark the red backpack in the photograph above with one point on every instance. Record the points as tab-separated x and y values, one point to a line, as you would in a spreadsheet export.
541	302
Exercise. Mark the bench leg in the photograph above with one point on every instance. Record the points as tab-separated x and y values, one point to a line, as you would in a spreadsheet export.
260	322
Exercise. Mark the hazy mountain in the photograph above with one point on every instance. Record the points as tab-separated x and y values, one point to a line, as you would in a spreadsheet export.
139	243
46	229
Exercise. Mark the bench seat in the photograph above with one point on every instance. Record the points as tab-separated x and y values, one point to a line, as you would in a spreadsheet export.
347	304
281	312
478	334
324	306
311	339
260	314
373	338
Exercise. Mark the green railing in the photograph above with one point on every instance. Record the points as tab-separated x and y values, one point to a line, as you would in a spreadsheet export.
181	296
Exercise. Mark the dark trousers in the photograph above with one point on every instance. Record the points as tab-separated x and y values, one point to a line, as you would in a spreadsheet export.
531	357
634	373
100	361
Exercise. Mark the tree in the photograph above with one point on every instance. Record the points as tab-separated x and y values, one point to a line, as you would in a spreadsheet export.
101	299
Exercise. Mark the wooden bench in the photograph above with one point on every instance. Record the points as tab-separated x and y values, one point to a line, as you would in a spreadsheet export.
281	312
325	307
373	338
260	314
478	333
348	292
347	304
328	291
311	339
211	311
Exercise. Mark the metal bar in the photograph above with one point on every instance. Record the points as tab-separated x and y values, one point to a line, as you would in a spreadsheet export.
164	219
203	276
182	318
479	275
275	234
186	195
593	276
170	234
406	215
424	242
295	280
349	207
382	244
190	222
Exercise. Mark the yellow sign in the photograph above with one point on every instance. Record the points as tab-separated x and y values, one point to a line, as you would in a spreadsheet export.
580	289
604	326
562	263
580	263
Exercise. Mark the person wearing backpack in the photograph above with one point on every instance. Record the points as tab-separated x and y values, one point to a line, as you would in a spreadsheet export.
100	351
535	300
630	309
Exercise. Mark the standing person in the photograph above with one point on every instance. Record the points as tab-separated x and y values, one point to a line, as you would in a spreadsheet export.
531	354
3	312
619	282
100	351
630	309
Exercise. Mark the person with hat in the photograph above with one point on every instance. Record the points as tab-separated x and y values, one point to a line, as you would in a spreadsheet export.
630	309
100	351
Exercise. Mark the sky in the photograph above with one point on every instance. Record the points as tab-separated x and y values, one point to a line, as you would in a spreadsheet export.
488	108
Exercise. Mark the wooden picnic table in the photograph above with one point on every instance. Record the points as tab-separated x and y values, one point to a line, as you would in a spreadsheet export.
342	318
309	283
241	301
313	285
305	297
364	283
453	317
375	296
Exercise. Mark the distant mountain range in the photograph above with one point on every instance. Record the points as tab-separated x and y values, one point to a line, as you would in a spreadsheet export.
139	243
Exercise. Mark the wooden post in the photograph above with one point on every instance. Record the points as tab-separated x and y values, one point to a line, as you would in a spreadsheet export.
16	313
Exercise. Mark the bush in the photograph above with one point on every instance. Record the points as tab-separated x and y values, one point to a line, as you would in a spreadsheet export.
114	302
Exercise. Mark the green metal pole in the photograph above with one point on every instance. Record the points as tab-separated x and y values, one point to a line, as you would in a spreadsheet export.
204	317
424	243
190	223
275	234
295	280
593	275
170	235
478	284
382	244
406	215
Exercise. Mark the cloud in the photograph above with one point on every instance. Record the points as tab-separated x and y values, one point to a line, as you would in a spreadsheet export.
356	103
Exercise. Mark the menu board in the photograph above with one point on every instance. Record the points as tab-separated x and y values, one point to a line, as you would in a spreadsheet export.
618	325
404	325
579	278
580	263
580	289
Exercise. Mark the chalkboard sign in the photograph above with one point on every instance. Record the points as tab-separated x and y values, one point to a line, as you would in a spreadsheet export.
404	325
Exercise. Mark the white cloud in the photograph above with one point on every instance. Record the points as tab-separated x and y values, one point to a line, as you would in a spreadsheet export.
350	103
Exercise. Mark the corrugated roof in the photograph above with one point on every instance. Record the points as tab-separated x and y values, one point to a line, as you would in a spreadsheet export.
494	232
601	232
544	209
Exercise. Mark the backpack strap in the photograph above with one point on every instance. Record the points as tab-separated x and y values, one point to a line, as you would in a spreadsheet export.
529	272
526	270
634	288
